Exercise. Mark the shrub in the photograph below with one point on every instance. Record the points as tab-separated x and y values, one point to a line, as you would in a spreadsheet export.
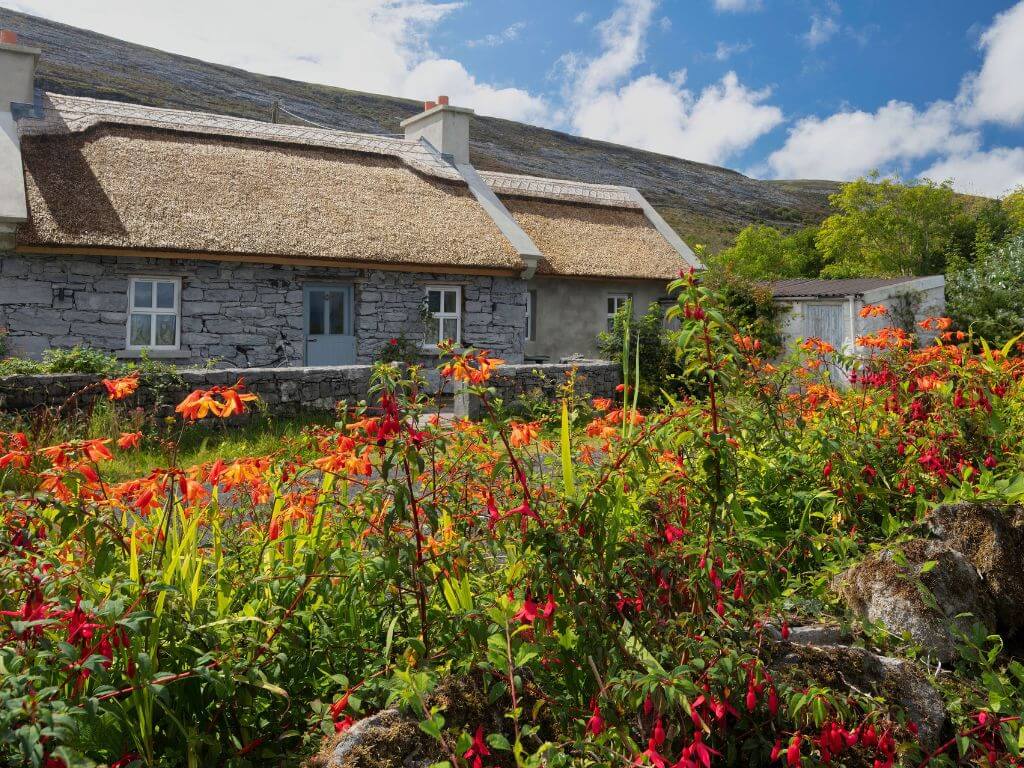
988	295
649	337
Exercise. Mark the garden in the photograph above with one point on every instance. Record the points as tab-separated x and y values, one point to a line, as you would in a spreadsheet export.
745	565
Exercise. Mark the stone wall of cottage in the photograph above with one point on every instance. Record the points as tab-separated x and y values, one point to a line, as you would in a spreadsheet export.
238	314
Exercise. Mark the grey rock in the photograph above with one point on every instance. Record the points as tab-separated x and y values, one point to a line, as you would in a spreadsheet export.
881	590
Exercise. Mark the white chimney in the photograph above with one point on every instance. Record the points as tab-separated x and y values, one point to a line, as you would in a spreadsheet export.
444	126
17	76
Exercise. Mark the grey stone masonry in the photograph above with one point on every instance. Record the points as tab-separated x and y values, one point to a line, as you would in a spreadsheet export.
284	391
239	314
514	384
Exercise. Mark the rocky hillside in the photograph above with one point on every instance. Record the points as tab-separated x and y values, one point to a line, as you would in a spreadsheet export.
705	203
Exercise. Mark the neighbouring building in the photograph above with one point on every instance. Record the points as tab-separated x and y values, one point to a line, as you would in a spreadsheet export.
830	309
193	237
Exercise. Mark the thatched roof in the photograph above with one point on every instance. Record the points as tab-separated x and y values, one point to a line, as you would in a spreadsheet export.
110	175
595	241
140	188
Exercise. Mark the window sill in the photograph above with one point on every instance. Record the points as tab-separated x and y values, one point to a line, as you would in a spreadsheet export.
154	354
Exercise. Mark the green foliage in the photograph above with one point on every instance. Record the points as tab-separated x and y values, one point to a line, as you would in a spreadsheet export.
749	306
884	227
659	367
1013	204
399	350
765	253
988	295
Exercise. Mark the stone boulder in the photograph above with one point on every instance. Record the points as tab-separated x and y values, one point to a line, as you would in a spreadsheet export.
387	739
992	539
898	682
922	589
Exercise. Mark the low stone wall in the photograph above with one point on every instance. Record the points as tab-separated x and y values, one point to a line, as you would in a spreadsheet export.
516	383
285	391
290	391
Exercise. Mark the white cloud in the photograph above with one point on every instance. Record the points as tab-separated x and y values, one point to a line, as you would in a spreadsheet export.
372	45
652	112
507	35
734	6
995	93
991	173
821	31
725	51
851	143
581	18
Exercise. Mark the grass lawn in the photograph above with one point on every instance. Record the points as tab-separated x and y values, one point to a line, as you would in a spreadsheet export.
198	444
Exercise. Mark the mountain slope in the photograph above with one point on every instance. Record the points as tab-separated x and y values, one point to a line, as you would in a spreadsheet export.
706	204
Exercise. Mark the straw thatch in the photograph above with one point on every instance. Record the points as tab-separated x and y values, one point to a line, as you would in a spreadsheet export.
592	241
145	189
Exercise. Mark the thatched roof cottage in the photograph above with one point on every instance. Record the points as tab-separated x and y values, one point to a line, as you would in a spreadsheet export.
195	236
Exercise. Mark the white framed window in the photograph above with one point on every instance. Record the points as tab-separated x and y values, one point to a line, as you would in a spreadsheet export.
531	316
444	314
154	313
616	301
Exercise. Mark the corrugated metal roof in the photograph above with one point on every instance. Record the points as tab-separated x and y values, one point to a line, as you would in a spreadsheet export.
804	288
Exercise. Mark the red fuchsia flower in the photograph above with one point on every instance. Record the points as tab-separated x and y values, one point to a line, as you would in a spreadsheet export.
673	533
990	461
339	706
125	760
493	515
478	749
827	469
697	754
651	753
649	706
343	725
776	750
528	613
784	631
548	611
773	701
595	724
793	751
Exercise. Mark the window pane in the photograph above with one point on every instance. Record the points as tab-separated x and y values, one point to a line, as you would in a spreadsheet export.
143	294
139	330
316	313
434	301
450	328
611	305
336	315
166	325
431	332
165	295
449	301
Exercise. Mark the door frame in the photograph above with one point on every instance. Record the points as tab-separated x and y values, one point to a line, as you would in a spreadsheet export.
349	321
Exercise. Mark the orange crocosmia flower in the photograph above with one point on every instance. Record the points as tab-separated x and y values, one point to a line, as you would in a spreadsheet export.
119	389
96	450
928	382
129	440
817	345
873	310
461	368
746	343
936	323
602	403
523	434
198	405
235	400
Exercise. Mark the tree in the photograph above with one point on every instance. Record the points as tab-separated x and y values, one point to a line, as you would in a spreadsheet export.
884	227
988	295
1013	204
765	253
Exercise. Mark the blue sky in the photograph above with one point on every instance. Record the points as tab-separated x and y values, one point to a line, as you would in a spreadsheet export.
773	88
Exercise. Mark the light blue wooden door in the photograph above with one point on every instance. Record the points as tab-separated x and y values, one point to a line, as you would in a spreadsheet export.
825	321
330	339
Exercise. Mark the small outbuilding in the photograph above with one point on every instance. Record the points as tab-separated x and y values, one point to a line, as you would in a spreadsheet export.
830	309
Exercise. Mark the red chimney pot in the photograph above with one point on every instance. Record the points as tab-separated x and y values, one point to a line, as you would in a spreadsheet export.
428	105
442	100
8	36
